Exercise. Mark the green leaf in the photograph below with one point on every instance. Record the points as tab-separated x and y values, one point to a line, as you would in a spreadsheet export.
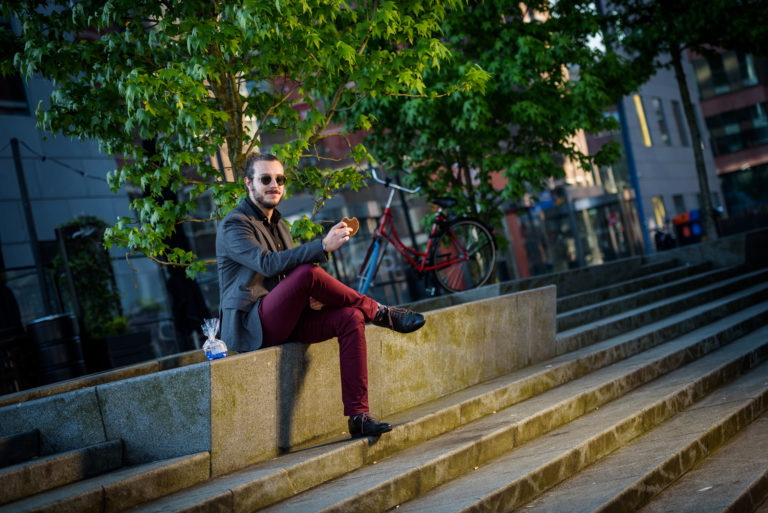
170	87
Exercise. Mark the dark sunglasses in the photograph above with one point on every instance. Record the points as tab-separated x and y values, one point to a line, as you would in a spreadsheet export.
266	180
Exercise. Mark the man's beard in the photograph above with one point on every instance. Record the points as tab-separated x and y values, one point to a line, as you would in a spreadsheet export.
262	201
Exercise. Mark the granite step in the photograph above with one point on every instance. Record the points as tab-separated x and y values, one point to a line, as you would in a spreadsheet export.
277	479
598	295
658	266
404	476
634	299
521	475
19	447
735	478
119	490
612	325
701	435
48	472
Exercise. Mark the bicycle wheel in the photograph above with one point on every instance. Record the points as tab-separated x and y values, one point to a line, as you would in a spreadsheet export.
471	245
371	266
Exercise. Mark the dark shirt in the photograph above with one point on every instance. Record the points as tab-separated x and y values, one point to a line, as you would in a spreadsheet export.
271	225
277	239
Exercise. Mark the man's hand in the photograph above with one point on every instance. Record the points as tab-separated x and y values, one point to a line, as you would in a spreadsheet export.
314	304
337	236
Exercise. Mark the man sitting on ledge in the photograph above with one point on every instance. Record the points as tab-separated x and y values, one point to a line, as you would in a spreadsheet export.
272	293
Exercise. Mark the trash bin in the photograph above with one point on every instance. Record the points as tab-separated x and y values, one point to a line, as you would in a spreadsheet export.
688	227
58	347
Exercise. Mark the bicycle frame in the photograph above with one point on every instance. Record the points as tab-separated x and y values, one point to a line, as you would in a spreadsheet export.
417	259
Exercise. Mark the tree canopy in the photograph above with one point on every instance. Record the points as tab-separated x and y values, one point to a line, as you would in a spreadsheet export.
164	85
526	120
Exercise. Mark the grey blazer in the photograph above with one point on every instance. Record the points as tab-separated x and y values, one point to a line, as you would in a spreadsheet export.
249	266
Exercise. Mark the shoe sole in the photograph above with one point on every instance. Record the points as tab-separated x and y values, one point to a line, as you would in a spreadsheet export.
377	433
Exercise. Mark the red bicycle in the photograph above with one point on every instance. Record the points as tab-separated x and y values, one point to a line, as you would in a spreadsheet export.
460	252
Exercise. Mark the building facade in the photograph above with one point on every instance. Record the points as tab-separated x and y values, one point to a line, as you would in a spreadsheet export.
46	181
733	88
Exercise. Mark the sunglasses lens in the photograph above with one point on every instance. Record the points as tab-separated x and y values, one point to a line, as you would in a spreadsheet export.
266	179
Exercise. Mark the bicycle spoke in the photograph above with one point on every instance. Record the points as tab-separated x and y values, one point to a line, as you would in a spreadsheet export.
464	256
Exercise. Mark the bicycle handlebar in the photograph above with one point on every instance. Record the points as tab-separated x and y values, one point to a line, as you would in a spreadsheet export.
387	182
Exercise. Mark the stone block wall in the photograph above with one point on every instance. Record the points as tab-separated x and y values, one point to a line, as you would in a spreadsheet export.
247	408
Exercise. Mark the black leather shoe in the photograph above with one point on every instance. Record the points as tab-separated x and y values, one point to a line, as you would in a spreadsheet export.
401	320
365	425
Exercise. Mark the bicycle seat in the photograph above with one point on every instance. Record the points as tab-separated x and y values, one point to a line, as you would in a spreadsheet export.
444	202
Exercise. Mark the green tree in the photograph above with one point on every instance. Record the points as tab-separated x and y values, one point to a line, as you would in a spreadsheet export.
657	33
194	76
525	121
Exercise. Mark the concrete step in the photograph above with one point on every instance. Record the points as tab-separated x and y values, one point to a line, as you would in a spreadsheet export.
572	281
612	325
48	472
629	477
675	285
658	266
289	474
666	275
733	479
406	475
516	478
19	447
264	484
119	490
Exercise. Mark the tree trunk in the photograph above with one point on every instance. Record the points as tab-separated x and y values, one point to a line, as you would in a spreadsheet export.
706	210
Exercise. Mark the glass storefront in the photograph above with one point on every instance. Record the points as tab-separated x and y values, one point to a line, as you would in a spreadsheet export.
582	232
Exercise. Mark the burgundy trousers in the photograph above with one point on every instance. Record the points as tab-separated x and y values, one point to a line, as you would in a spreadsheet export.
286	316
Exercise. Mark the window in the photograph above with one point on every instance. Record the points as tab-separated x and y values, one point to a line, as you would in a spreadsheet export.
725	72
678	113
739	129
716	204
720	82
658	107
641	119
659	212
679	201
702	134
13	95
747	70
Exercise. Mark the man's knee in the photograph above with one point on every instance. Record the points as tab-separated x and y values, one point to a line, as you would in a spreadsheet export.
356	317
350	319
306	273
347	320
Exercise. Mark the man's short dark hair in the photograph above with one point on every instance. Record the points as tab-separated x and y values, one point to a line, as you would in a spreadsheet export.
251	159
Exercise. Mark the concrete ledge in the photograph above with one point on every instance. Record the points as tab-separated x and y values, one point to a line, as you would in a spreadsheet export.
459	346
739	249
248	407
92	380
